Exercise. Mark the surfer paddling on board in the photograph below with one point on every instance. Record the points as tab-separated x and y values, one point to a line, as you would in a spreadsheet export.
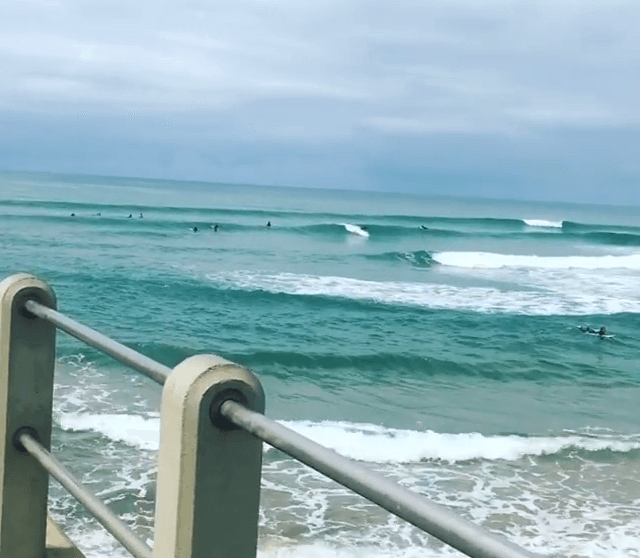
602	332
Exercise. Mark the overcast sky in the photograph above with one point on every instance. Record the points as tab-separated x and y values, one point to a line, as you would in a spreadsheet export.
529	100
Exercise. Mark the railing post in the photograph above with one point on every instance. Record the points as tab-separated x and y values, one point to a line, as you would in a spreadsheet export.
208	489
27	358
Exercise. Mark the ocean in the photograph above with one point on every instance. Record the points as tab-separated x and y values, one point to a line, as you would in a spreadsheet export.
433	339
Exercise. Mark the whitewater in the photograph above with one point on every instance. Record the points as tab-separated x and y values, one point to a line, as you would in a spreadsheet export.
433	340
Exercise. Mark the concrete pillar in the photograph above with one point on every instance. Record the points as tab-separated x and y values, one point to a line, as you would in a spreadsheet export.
27	357
208	490
58	544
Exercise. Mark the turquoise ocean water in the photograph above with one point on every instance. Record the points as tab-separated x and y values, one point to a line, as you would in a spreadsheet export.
433	339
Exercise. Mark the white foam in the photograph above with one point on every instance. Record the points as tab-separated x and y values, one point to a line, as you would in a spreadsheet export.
488	260
377	444
547	294
543	223
355	229
131	429
372	443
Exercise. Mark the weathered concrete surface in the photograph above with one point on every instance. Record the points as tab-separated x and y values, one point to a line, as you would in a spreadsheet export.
27	358
58	544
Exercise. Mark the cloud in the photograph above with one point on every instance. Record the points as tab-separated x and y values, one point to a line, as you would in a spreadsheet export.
321	77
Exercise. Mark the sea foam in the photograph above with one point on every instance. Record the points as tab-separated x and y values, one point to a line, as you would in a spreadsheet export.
488	260
131	429
374	443
543	223
355	229
566	293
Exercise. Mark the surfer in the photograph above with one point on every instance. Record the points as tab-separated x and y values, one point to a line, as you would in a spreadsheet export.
602	332
424	228
268	223
195	229
73	215
140	216
129	216
215	228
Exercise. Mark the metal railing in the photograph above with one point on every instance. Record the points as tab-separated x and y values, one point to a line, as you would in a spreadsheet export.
210	456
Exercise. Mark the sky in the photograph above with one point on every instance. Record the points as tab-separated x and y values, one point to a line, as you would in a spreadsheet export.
508	99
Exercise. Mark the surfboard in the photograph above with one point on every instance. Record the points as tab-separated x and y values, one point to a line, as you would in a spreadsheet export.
605	336
355	229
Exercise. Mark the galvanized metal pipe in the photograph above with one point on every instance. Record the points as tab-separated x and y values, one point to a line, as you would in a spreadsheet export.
109	520
440	522
145	365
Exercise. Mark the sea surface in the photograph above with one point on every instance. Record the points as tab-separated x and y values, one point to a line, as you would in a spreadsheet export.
434	340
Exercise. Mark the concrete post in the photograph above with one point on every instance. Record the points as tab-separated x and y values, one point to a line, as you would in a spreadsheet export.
27	357
208	490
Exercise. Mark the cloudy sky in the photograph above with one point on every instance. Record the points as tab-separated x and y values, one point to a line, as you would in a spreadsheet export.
521	99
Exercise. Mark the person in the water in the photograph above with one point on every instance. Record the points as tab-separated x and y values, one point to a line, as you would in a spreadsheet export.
588	329
195	229
268	223
215	228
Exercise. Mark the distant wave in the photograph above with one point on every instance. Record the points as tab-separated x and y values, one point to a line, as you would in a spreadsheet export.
487	260
613	238
559	296
355	229
167	221
543	223
419	258
374	364
374	443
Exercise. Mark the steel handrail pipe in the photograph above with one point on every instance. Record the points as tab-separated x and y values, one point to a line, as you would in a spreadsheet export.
444	524
109	520
147	366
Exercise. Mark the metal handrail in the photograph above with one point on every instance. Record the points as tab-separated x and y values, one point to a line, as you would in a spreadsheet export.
109	520
145	365
440	522
457	532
